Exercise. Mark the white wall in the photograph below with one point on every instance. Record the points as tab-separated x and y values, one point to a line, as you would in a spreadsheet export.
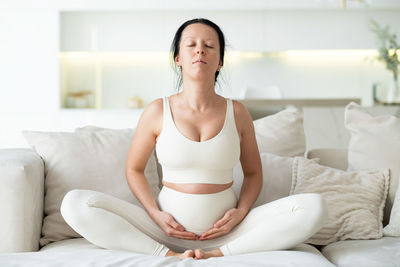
29	71
29	67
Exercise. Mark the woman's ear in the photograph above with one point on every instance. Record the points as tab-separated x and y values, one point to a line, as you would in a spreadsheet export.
220	65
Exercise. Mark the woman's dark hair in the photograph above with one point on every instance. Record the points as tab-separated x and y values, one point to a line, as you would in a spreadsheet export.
175	45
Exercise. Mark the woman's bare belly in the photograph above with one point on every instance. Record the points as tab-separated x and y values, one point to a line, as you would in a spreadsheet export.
197	188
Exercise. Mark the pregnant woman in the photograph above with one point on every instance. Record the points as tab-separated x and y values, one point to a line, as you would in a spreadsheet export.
199	137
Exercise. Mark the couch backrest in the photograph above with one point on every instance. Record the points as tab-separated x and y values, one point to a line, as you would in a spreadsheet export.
332	157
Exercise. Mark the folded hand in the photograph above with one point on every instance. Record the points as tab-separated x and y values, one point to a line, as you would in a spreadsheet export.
224	225
171	227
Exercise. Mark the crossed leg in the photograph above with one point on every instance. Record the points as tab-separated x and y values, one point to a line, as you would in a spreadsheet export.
277	225
112	223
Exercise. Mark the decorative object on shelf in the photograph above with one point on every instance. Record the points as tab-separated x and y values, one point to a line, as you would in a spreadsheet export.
379	95
344	3
389	52
80	99
134	102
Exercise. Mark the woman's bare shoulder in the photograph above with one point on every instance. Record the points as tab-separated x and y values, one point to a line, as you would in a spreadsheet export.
243	119
152	115
155	106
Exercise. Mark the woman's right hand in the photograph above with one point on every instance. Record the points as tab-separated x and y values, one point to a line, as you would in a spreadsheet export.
171	227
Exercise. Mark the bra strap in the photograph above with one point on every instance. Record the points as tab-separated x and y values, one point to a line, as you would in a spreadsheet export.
167	113
230	112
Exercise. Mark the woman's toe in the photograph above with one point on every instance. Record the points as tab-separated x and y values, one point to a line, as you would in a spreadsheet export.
189	253
198	253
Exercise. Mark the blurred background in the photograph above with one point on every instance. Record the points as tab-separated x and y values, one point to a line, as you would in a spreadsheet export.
66	64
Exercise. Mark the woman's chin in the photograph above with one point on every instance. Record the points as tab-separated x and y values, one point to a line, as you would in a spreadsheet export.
200	75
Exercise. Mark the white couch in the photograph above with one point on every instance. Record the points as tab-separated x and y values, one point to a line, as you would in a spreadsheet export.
22	195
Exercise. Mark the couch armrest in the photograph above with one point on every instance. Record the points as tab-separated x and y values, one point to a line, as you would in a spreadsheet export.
21	199
332	157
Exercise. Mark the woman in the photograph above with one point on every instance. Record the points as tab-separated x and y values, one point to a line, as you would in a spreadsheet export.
199	137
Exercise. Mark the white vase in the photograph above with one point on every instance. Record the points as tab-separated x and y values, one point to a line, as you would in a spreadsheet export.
393	92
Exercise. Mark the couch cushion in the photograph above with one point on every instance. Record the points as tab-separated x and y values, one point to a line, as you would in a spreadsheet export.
355	200
393	228
331	157
374	143
21	199
79	252
366	253
86	159
281	133
277	178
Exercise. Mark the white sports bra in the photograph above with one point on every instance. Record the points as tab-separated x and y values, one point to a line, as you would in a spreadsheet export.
186	161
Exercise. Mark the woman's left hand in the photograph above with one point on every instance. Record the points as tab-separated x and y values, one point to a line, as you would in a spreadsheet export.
224	225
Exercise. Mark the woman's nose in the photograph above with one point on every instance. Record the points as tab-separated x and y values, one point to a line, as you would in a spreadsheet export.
200	50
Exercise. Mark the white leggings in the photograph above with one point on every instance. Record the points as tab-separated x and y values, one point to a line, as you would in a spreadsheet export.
112	223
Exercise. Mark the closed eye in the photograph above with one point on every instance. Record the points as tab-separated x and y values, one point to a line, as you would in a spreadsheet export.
206	46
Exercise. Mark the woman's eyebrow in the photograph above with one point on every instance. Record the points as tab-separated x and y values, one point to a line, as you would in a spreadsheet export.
190	37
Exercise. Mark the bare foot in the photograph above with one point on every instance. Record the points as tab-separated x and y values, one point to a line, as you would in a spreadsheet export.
201	254
198	254
187	254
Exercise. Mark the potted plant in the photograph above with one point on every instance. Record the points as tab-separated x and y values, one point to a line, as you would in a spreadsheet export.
389	53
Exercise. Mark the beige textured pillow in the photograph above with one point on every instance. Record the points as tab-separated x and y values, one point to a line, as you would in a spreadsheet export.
374	143
277	178
281	133
85	159
355	199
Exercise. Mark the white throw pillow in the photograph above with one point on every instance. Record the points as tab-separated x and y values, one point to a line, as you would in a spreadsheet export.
277	178
374	143
393	228
281	133
355	200
86	159
154	185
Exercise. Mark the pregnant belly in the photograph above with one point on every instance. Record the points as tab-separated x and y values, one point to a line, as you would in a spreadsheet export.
196	212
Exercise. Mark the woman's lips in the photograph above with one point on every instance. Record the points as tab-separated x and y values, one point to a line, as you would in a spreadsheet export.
199	61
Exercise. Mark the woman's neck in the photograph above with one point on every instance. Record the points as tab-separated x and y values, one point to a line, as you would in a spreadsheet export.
198	96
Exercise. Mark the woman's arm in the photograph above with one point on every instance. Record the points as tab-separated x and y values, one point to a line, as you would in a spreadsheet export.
250	161
140	149
252	170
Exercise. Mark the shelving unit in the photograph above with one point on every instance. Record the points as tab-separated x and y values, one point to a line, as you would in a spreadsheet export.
129	52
